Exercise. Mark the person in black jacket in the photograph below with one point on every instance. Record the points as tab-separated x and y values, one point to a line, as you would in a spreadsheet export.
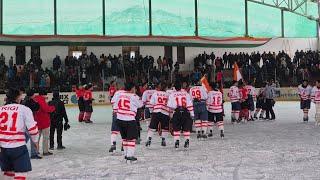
57	120
34	106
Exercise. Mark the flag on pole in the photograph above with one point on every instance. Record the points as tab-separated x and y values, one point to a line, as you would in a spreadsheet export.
205	83
236	72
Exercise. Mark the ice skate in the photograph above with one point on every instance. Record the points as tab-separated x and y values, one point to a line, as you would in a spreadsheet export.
199	136
131	159
221	134
210	133
186	144
113	147
204	136
163	142
148	143
176	144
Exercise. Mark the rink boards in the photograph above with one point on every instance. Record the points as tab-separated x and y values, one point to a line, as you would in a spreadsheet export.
102	97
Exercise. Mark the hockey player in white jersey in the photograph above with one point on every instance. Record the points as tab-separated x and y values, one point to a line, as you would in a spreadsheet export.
115	131
146	96
315	97
128	103
199	96
16	119
215	108
304	91
160	114
234	96
180	102
251	97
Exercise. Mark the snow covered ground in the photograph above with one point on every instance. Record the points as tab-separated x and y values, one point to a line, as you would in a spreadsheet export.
281	149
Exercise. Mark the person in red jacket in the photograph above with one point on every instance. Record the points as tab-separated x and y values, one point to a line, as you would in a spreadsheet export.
42	117
88	103
244	114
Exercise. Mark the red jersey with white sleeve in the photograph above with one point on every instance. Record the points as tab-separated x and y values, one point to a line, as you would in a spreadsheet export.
304	92
243	93
251	91
198	93
146	96
315	95
127	104
180	99
159	101
114	105
16	119
215	102
234	94
112	91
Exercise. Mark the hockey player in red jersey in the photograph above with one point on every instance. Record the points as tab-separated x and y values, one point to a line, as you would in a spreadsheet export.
304	91
244	113
88	103
234	96
215	110
315	97
128	103
79	94
180	102
199	96
16	120
160	114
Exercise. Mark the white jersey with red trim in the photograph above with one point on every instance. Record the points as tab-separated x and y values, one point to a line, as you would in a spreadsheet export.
181	99
16	120
127	105
215	102
234	94
304	92
159	101
315	95
146	96
251	91
169	91
198	92
115	96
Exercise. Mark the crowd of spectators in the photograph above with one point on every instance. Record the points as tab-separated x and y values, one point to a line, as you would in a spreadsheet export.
140	69
258	67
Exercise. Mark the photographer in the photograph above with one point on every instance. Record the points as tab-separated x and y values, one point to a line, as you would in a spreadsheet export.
57	120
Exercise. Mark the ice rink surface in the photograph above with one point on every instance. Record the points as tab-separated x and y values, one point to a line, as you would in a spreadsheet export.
281	149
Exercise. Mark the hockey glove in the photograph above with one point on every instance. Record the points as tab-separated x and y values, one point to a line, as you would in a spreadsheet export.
66	126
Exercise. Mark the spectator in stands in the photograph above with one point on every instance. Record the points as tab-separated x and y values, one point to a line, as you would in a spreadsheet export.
56	63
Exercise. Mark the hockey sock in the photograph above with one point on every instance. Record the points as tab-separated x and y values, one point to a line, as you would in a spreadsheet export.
232	114
186	134
197	124
262	113
125	147
150	133
87	116
165	133
8	175
204	126
20	176
252	113
305	113
114	136
210	126
81	116
176	135
236	115
256	113
131	146
220	125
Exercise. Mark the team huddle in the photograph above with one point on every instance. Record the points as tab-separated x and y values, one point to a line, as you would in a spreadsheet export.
171	111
